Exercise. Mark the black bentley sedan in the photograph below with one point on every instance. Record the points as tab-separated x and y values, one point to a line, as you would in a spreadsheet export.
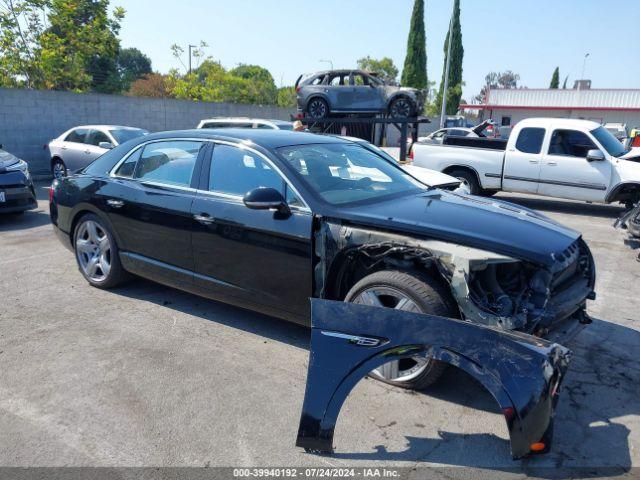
266	219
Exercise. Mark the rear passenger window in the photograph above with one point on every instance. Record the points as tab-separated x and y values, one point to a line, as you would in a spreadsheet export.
77	136
170	163
530	140
235	171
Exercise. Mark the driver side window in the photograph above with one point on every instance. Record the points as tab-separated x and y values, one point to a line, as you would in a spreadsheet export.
235	171
570	143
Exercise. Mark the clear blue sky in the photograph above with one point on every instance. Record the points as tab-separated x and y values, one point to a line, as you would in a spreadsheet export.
289	37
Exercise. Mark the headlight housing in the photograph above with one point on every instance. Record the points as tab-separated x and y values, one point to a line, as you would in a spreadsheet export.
21	166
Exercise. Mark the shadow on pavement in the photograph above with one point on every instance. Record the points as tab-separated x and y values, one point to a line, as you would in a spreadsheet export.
23	221
601	385
565	206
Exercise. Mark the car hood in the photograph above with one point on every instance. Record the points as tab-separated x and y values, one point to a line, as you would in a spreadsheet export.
633	155
487	224
7	159
430	177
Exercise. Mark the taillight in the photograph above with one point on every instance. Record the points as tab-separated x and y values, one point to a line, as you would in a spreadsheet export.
51	194
298	89
410	156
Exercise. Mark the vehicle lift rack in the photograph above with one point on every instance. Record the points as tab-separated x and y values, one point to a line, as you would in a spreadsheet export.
403	124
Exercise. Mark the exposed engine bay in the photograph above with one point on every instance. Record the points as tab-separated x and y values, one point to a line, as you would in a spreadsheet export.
489	288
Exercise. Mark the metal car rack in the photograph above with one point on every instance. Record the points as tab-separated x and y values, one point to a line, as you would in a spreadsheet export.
331	124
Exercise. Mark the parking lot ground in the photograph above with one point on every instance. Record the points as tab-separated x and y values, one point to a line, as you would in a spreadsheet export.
149	376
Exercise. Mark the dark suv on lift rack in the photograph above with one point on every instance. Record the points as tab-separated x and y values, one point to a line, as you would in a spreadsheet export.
355	91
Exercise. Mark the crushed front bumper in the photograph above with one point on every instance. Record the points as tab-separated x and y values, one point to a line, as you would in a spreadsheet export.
522	372
19	193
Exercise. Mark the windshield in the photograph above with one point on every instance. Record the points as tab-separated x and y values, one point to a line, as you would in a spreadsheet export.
610	143
342	173
126	134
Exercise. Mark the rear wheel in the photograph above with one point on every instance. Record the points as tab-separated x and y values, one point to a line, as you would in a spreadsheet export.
468	179
58	169
97	253
409	292
317	108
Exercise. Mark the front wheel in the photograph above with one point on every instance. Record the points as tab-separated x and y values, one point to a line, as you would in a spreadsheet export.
409	292
401	108
97	253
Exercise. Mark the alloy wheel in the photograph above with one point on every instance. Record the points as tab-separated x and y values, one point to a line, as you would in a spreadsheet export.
401	108
93	250
399	370
59	170
317	109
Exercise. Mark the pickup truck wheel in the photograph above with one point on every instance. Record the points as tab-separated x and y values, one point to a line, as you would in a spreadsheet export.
401	108
468	179
413	292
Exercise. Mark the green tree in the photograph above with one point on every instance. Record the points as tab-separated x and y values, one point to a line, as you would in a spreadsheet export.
454	92
132	65
384	67
258	84
414	73
555	79
564	84
79	49
21	24
286	97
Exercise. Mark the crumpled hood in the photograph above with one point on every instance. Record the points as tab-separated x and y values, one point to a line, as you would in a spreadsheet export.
7	159
487	224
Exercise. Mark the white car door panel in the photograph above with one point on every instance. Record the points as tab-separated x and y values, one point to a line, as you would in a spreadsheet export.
566	173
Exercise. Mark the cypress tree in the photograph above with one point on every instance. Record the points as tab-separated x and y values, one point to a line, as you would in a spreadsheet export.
564	85
555	79
414	73
454	92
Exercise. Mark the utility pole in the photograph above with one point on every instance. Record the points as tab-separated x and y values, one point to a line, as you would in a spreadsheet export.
446	74
584	64
327	61
190	48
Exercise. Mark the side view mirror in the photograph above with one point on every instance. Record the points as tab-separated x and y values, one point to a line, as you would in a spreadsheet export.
263	198
595	155
107	145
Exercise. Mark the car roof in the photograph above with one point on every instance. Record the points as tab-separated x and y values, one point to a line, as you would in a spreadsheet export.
264	138
245	119
107	127
559	122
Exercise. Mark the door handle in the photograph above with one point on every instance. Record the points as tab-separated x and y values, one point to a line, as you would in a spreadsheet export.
553	164
64	148
203	218
87	152
115	203
534	161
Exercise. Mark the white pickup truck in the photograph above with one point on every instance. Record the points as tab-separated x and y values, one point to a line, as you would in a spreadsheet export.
556	157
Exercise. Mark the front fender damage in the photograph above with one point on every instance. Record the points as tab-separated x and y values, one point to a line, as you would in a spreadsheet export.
523	373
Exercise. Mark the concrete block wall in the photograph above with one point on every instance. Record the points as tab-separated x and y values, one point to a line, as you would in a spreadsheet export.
29	119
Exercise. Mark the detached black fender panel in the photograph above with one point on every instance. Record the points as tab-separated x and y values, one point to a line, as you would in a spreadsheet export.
522	372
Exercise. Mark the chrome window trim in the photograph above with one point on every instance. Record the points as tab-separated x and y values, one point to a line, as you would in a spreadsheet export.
241	146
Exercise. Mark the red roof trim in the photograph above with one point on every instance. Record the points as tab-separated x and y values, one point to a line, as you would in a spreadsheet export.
526	107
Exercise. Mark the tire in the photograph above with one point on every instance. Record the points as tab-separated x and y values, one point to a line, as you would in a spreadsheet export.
58	169
317	108
469	179
401	107
97	253
427	296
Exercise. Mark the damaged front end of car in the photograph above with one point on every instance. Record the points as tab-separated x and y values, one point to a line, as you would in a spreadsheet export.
523	373
489	288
